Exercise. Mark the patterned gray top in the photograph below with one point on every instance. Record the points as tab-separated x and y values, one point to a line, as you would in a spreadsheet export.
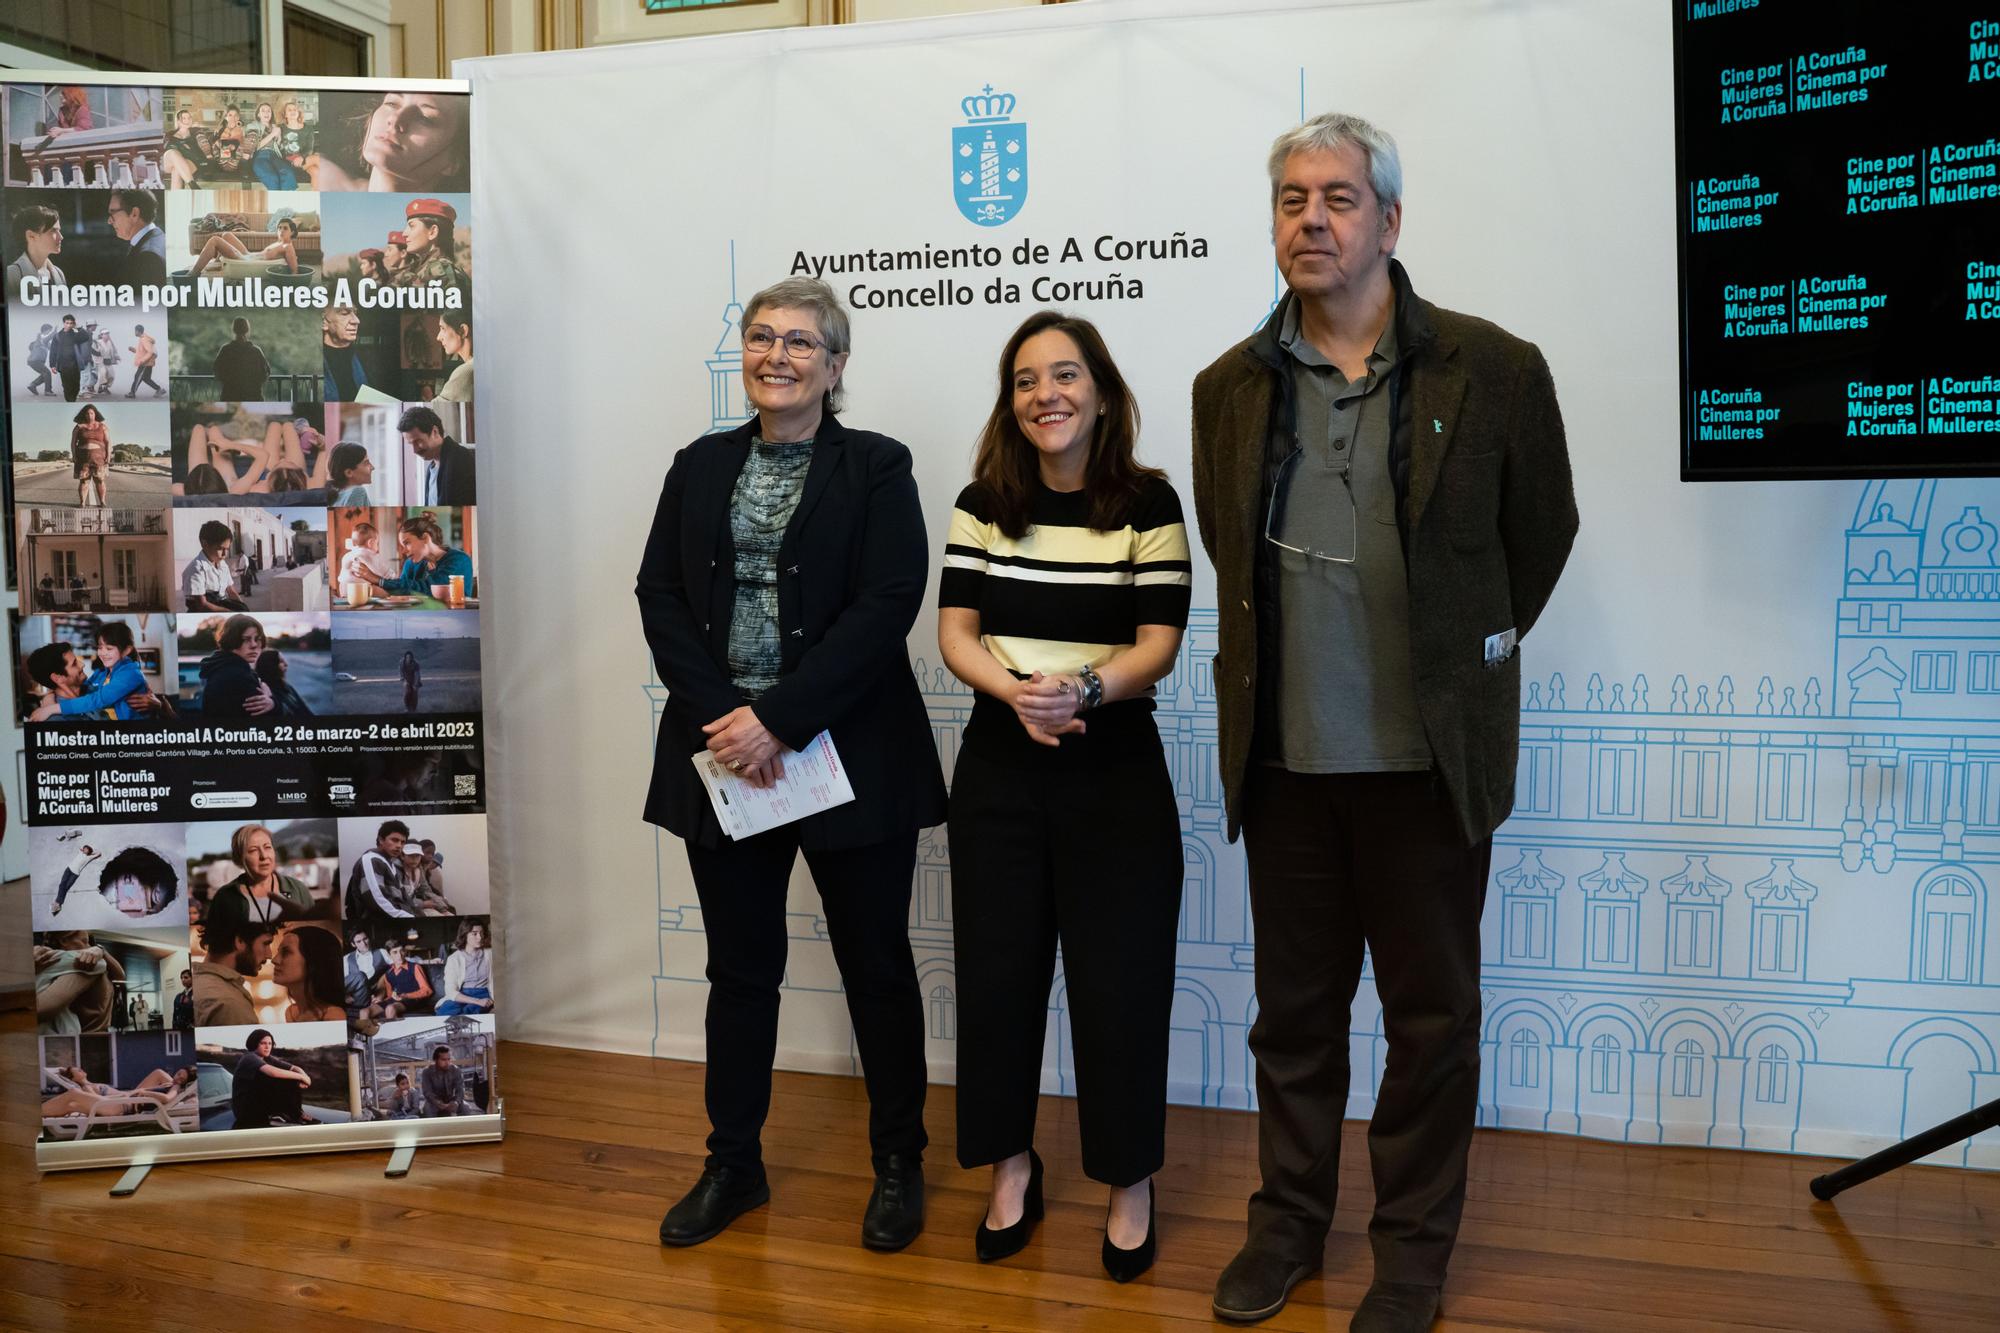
767	493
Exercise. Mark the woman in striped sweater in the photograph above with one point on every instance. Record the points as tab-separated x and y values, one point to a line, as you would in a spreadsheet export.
1063	600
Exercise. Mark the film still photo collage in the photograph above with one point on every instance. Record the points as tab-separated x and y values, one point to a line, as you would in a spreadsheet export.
239	371
253	302
221	975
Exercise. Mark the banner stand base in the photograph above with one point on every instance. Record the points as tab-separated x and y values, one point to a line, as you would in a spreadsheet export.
130	1182
139	1155
399	1161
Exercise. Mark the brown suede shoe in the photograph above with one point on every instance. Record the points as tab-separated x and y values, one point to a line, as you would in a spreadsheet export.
1256	1286
1396	1307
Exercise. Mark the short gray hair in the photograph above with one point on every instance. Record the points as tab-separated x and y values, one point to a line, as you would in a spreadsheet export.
827	312
1329	134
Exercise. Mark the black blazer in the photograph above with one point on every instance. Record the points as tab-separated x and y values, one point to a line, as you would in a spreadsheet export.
852	570
458	476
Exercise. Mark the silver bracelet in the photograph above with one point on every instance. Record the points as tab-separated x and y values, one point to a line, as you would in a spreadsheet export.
1093	689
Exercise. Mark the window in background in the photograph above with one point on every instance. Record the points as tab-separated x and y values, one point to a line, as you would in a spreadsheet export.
1690	1065
669	6
1606	1064
944	1014
186	36
1787	786
1524	1066
1535	779
35	106
1774	1074
1778	943
1982	673
124	125
1527	930
1703	777
1933	673
318	46
1617	778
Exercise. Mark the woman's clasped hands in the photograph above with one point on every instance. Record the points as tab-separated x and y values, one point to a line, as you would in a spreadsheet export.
740	742
1048	707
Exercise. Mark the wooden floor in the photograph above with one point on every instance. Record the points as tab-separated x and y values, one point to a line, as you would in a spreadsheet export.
557	1228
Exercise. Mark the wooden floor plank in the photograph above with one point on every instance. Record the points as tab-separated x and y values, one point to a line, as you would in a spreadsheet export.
555	1229
45	1295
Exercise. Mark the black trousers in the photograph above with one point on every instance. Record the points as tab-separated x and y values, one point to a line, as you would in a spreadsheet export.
72	382
866	894
1339	861
1088	853
268	1099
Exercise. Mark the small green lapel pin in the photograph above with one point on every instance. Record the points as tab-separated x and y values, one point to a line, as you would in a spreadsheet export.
1437	426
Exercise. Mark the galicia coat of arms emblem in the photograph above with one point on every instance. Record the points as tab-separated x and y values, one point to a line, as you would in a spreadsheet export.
989	159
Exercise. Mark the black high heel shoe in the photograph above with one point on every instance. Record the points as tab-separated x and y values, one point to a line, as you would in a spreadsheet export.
989	1244
1124	1265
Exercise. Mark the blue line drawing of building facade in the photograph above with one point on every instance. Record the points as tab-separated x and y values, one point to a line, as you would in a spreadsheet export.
1763	922
1739	918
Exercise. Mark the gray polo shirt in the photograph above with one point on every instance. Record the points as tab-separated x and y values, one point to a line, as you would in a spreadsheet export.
1346	691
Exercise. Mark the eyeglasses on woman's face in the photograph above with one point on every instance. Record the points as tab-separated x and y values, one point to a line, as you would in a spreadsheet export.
799	345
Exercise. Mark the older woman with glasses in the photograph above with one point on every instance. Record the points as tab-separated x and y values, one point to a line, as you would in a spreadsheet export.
785	568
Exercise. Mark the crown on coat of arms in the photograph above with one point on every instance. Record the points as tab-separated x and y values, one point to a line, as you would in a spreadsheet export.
987	105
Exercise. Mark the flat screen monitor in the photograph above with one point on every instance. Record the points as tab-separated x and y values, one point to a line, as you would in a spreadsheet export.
1839	196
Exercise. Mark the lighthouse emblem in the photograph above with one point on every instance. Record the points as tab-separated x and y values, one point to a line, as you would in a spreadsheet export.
989	159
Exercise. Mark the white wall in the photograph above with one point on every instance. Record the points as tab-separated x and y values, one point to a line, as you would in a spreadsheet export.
1538	150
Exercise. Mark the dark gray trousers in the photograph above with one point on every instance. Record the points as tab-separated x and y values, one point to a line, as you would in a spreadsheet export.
1338	862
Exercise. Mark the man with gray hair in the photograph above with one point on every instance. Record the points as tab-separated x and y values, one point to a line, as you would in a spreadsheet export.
1384	488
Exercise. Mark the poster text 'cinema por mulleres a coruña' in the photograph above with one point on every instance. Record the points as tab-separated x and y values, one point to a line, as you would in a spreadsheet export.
246	557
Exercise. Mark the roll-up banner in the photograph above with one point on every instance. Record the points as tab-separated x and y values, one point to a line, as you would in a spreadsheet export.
243	514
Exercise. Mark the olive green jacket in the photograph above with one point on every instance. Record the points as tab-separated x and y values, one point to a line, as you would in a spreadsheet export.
1486	512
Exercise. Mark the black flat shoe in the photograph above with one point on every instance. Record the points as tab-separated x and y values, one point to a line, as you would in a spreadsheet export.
895	1215
989	1244
1124	1265
723	1194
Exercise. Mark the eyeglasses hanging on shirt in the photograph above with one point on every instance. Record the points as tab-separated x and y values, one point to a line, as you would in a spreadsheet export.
1280	491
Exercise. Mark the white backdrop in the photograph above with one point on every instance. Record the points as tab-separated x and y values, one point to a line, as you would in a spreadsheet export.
1727	911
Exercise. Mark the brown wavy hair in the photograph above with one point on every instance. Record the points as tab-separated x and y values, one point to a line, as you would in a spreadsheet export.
1006	466
423	525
